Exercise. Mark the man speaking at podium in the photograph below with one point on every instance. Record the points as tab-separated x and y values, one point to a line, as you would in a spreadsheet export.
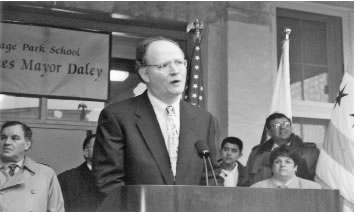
149	139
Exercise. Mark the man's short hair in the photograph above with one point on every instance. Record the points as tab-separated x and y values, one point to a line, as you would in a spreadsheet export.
286	151
142	47
275	116
233	140
26	130
87	140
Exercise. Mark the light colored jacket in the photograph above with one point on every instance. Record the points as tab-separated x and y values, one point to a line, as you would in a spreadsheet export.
35	188
296	182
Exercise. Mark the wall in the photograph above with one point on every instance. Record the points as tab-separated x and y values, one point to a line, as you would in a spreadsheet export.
250	68
61	149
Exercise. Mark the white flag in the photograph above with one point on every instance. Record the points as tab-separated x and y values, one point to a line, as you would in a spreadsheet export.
335	168
281	97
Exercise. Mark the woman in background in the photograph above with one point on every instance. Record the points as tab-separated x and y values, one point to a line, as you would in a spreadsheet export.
284	163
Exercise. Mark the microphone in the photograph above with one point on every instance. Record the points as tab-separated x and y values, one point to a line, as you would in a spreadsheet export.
202	148
204	152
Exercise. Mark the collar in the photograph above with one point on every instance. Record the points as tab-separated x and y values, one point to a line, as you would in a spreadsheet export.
29	164
268	145
275	145
289	184
89	166
19	164
233	170
159	106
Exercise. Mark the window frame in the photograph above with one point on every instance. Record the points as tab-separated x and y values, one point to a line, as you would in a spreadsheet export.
311	109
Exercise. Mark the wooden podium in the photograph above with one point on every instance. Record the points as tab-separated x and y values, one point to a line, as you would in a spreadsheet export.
152	198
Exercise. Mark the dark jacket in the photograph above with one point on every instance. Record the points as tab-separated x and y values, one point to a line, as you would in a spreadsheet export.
241	174
79	190
242	170
259	167
130	147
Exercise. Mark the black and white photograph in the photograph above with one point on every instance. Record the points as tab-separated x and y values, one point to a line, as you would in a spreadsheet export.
177	106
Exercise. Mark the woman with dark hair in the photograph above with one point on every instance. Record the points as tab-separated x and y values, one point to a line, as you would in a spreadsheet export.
284	162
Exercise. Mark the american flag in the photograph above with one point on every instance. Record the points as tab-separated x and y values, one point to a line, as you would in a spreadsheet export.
194	86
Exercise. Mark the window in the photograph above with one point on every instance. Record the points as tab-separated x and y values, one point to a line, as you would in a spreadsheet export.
25	107
30	108
310	130
316	68
73	110
315	54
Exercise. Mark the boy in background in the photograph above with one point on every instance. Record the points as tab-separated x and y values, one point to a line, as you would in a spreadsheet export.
232	171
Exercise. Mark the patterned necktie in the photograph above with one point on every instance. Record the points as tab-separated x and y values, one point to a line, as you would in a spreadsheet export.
173	138
12	168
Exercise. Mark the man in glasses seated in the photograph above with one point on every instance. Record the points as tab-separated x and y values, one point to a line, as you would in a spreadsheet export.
150	138
279	128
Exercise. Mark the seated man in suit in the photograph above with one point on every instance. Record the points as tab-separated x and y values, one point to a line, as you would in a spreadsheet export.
78	184
279	128
149	139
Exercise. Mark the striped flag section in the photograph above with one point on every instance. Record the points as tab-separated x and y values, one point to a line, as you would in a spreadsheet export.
194	88
335	168
281	97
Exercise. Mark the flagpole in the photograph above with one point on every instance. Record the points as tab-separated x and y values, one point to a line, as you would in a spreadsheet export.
287	32
194	91
197	26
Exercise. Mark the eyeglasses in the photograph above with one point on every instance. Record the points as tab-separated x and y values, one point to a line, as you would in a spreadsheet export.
165	67
277	125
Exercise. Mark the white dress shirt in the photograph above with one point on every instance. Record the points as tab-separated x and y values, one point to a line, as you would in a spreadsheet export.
4	176
230	177
160	112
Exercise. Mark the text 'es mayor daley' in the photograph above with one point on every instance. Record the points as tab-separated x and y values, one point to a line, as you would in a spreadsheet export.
72	68
28	64
50	68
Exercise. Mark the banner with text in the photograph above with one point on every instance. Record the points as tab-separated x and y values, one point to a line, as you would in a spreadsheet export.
53	62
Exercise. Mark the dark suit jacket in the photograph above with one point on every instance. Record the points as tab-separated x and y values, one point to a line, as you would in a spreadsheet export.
130	147
241	174
79	191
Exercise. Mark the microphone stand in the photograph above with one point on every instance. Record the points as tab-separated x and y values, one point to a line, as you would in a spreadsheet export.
214	175
203	151
206	169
